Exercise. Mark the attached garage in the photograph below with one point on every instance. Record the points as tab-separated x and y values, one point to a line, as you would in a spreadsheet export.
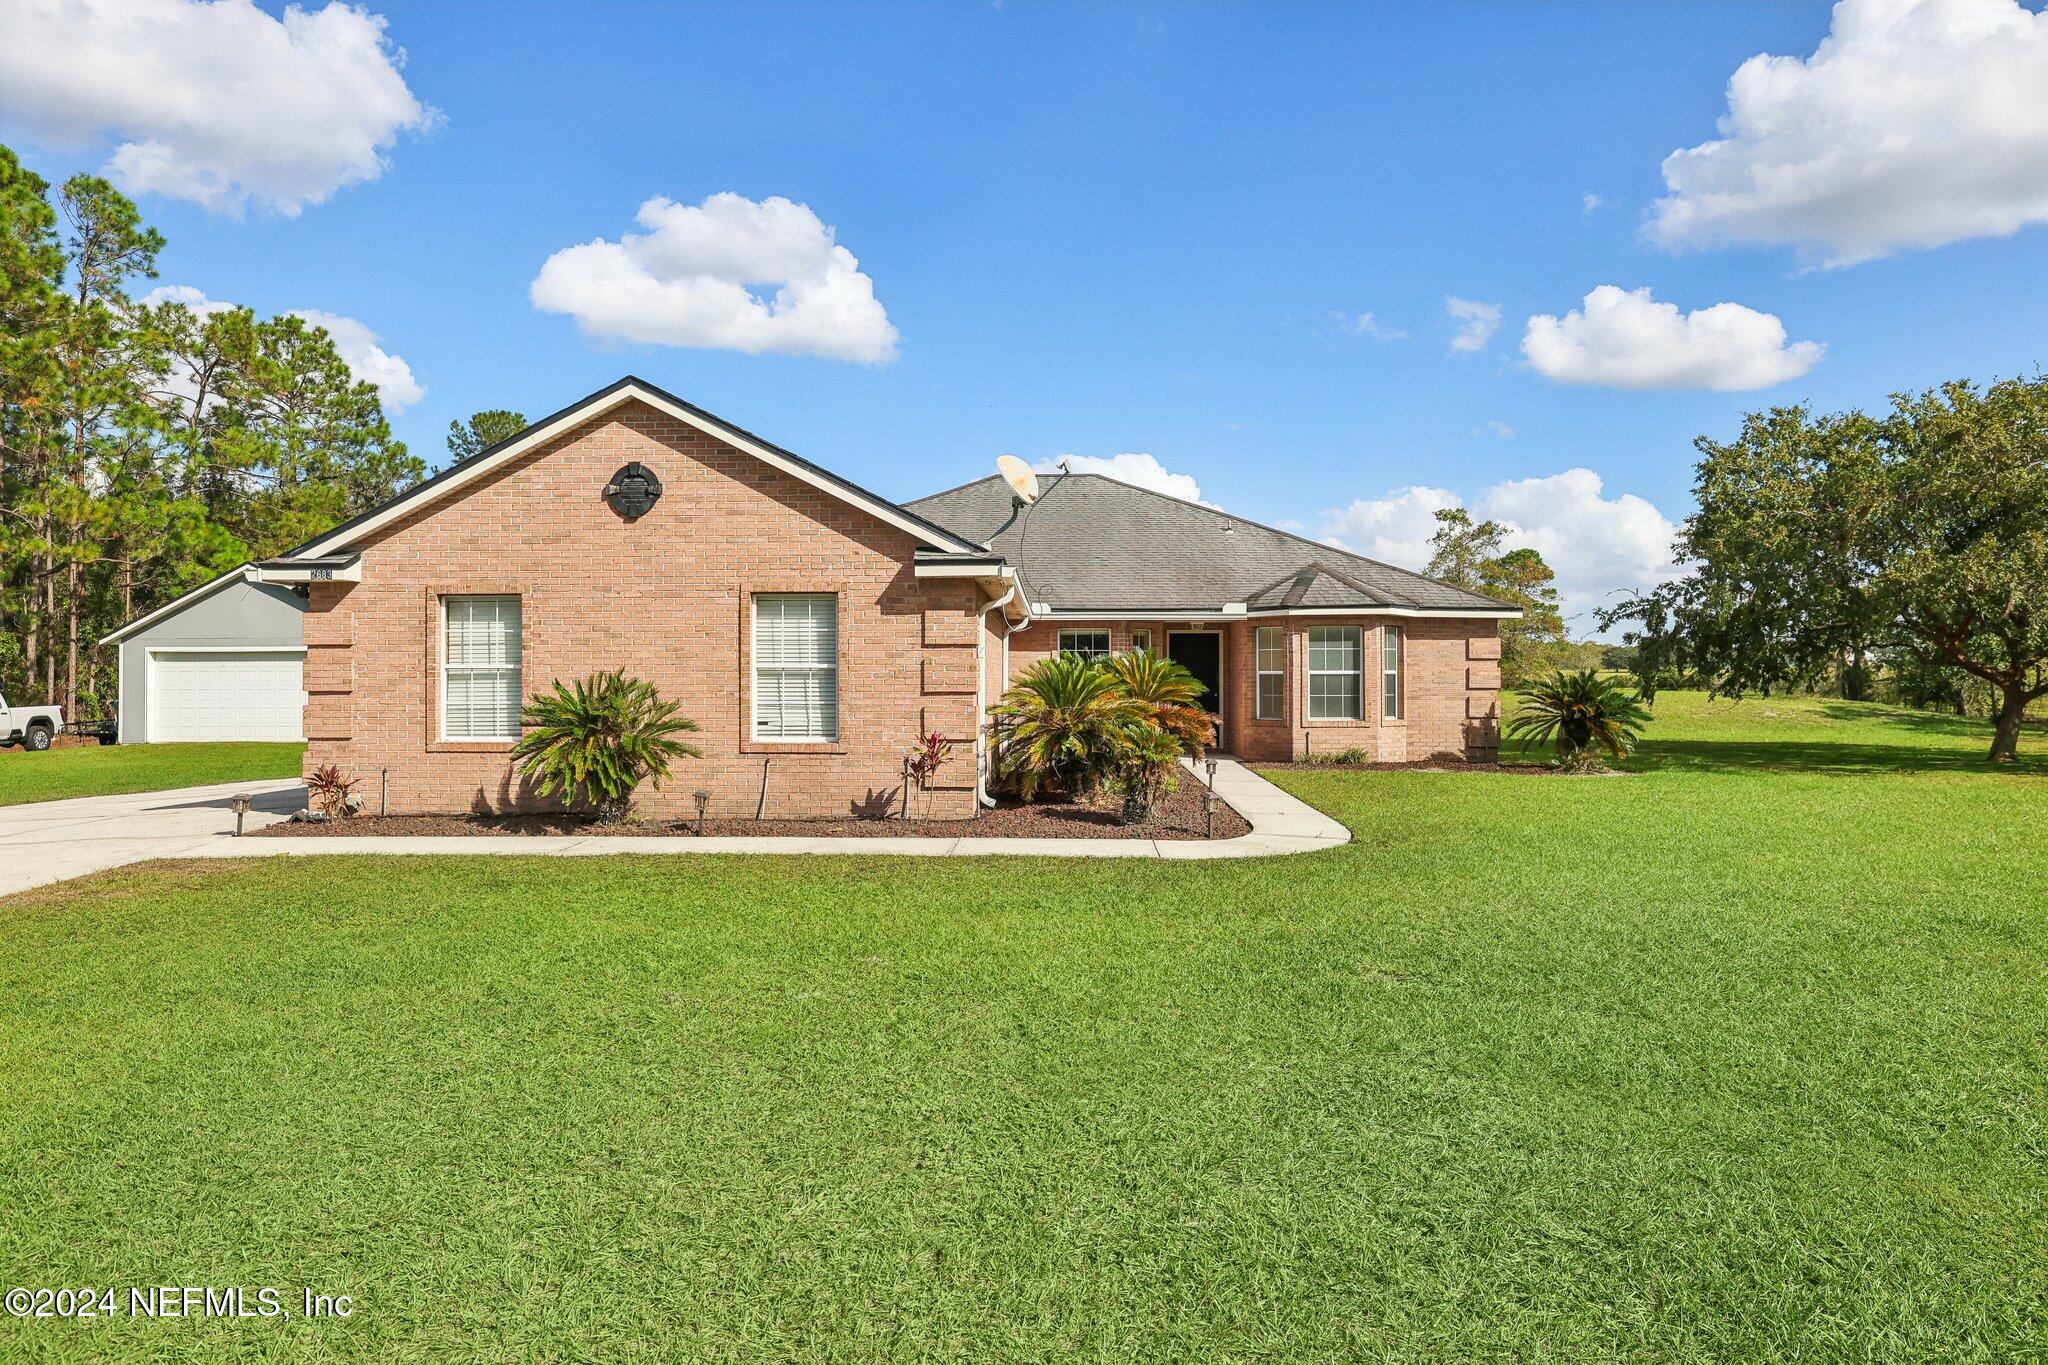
223	662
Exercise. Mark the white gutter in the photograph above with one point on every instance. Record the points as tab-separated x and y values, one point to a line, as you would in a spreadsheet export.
981	750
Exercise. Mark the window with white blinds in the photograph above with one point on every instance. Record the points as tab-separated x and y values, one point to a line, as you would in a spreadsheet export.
796	666
1390	672
1335	679
480	684
1271	661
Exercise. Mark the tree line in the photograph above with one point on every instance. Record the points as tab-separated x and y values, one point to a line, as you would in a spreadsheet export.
145	450
1911	545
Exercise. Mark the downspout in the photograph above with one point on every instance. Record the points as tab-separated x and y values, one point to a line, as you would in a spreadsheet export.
981	751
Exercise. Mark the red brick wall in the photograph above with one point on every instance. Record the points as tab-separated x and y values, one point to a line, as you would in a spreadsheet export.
667	599
1450	680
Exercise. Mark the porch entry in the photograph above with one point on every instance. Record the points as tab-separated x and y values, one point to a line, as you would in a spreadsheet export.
1200	652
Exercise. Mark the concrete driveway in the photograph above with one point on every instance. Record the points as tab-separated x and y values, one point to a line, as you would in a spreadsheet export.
49	841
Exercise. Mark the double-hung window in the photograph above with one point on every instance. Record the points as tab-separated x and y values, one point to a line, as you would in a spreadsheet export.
1390	672
1092	645
1271	649
796	666
480	692
1142	639
1336	685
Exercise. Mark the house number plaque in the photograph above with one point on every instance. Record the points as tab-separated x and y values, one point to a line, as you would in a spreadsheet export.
633	491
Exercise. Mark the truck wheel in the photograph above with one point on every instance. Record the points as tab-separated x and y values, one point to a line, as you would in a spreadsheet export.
37	739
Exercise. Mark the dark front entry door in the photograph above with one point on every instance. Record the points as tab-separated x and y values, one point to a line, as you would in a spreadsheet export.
1201	653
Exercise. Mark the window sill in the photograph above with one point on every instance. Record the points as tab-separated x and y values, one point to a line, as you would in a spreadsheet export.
792	746
470	746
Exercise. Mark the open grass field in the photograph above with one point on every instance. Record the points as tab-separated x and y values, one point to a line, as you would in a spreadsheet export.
93	770
1741	1058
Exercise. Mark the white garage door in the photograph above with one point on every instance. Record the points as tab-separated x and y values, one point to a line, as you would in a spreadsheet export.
253	695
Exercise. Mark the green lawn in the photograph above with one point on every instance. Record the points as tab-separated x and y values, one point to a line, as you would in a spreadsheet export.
1741	1058
93	770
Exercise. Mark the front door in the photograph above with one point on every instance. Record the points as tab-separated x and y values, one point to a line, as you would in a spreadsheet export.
1200	652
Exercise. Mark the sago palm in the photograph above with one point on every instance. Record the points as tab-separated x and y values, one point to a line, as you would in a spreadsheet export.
1578	712
1066	726
1169	696
596	740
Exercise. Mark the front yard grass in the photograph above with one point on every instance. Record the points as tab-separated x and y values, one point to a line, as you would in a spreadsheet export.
96	770
1727	1060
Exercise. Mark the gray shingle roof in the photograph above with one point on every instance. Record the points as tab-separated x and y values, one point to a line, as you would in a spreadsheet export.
1092	543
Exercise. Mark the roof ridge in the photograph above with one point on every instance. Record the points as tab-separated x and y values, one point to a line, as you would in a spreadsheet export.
1260	525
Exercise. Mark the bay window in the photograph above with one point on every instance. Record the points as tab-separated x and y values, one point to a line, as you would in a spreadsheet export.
1390	672
1269	647
1336	685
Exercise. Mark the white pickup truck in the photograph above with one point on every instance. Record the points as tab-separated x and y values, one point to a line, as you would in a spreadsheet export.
32	727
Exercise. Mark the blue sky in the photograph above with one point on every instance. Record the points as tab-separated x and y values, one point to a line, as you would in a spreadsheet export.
1122	228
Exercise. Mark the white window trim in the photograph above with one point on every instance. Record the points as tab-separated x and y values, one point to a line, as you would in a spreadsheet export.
754	735
1392	634
1060	642
1260	673
1314	673
518	667
1146	643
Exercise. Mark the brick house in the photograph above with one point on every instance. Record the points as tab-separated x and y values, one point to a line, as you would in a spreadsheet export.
814	631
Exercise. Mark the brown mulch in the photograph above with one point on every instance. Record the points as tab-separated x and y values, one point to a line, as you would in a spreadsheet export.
1179	816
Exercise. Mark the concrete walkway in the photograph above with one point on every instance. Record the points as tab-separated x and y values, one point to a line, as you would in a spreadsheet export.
50	841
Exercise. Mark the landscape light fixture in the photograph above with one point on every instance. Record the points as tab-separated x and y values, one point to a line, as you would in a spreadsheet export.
703	799
241	807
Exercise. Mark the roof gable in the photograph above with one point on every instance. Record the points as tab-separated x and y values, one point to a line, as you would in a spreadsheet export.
629	390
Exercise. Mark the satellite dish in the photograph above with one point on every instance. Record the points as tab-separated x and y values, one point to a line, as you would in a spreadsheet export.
1018	475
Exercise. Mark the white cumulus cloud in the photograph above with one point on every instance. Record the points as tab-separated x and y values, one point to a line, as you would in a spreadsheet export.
1477	322
1599	546
698	275
217	103
362	351
1625	339
1136	468
1914	123
1396	528
360	348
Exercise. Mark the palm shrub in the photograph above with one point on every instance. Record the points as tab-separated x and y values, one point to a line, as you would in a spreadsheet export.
1168	694
1145	774
597	739
1578	713
1067	726
1171	722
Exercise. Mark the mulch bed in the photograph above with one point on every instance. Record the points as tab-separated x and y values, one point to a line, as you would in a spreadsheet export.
1179	816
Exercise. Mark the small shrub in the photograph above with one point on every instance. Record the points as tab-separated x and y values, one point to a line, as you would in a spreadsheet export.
1350	757
1580	713
1066	726
924	762
1148	770
597	740
1168	695
331	791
